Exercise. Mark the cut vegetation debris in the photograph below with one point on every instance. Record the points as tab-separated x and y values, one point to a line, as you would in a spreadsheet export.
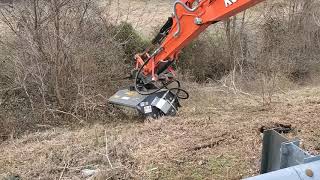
217	137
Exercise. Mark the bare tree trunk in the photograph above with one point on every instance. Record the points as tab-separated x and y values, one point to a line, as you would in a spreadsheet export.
229	39
243	42
58	49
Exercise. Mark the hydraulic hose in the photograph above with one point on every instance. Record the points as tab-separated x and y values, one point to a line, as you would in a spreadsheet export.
137	77
176	14
165	85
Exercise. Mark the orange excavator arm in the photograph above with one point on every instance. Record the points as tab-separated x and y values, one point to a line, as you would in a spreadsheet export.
190	18
152	93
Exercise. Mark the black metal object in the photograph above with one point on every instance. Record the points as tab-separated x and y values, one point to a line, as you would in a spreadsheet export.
163	31
163	102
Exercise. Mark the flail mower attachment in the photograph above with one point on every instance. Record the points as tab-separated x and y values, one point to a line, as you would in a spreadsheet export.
161	103
152	94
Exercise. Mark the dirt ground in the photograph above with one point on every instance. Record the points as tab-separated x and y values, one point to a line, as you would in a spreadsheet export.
215	136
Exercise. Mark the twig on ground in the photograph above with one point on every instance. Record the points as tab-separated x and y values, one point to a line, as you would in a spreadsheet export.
63	170
107	154
316	20
209	145
63	112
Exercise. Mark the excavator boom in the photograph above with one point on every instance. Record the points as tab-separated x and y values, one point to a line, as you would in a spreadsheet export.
190	21
153	74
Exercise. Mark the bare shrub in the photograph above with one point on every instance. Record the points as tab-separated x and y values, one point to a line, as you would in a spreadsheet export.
60	60
290	45
262	56
203	60
216	53
130	40
289	48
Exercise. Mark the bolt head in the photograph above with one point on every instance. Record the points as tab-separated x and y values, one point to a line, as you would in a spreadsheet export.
198	21
309	172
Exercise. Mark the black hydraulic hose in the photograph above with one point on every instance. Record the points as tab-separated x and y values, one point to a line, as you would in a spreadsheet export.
165	85
137	77
179	90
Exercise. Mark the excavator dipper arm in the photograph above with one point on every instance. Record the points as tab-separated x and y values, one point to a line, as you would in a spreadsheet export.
190	18
153	73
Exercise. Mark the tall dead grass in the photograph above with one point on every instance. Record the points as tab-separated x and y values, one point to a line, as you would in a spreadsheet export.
59	62
263	55
62	59
284	40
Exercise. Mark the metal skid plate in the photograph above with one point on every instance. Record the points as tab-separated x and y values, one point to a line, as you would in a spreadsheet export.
127	98
157	104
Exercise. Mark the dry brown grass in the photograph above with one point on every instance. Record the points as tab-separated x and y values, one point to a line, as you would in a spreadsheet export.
215	136
144	15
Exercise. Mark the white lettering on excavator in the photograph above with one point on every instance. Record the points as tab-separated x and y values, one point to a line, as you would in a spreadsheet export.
229	2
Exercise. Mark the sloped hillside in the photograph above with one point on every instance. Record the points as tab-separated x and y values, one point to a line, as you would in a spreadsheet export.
215	136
